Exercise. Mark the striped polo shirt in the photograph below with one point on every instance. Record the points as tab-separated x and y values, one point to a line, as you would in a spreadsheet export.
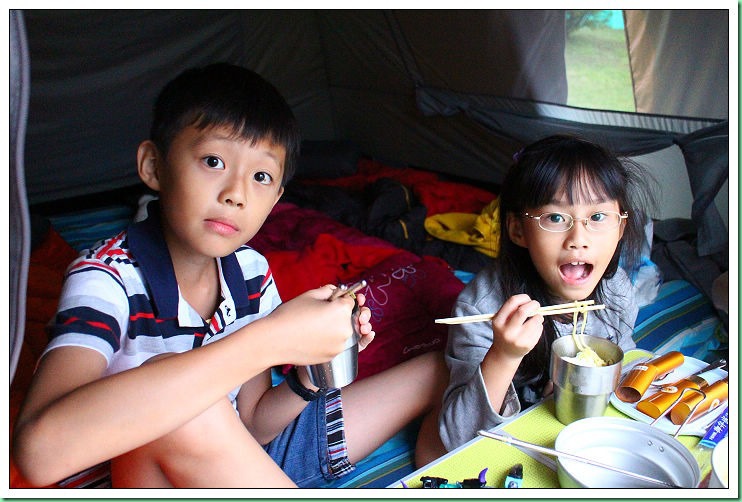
121	299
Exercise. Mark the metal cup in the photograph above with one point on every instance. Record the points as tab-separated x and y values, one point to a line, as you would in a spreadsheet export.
342	369
583	391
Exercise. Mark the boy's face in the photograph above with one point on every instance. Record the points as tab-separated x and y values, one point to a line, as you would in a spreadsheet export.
571	263
216	190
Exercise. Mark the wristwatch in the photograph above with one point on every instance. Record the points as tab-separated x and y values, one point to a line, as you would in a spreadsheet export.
292	380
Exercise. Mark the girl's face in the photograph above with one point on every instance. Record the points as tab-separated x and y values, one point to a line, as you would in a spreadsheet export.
572	262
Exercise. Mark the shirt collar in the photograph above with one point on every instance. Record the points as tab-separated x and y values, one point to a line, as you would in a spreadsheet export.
148	246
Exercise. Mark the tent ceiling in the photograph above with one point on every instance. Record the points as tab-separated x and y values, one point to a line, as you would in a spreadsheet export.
357	75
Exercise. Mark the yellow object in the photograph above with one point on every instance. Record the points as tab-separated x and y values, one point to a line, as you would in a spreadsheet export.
586	354
716	394
637	381
656	404
481	231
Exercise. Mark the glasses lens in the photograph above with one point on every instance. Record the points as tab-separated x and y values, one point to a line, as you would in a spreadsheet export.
605	220
555	222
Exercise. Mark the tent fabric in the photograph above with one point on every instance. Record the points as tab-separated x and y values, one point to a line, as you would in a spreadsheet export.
96	73
516	53
446	102
20	228
683	47
357	75
706	154
522	122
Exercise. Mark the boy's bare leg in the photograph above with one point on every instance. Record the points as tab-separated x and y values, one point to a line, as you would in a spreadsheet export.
377	407
212	450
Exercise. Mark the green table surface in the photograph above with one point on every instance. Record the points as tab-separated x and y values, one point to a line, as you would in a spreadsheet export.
537	425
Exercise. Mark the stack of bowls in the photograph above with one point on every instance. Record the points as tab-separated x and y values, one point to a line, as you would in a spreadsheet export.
626	444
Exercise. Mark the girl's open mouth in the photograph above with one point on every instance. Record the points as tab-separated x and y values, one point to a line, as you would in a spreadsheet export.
576	271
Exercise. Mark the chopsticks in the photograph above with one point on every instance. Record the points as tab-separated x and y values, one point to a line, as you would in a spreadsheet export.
564	308
569	308
562	454
344	290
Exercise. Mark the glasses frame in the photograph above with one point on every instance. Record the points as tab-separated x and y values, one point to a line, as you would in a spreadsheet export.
572	219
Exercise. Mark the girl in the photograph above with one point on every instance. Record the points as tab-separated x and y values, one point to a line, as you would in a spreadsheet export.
569	210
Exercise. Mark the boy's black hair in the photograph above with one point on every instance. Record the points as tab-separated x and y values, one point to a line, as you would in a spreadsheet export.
222	94
540	172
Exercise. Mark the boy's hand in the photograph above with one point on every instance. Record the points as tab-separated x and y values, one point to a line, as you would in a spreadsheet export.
310	330
364	323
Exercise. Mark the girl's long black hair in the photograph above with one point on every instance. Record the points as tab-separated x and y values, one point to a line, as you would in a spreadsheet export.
540	172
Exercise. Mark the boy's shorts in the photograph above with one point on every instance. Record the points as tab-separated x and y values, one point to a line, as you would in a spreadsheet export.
311	450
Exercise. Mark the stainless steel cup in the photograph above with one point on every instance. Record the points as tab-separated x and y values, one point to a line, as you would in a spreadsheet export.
342	369
583	391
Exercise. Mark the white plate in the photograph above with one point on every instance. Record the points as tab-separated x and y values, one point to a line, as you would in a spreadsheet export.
696	427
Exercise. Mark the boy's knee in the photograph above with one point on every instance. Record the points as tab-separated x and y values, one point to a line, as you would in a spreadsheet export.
181	449
158	357
192	436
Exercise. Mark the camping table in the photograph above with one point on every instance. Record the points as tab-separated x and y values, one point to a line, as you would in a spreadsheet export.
537	424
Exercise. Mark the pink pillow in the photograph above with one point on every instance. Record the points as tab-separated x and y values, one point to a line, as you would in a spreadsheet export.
406	293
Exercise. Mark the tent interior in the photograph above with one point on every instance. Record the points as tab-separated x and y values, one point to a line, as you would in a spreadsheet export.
453	92
460	102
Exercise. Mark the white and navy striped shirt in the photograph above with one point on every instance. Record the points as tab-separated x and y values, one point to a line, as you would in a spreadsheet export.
121	298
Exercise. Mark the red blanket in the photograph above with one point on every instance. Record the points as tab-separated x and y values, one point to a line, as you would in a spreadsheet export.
436	195
405	292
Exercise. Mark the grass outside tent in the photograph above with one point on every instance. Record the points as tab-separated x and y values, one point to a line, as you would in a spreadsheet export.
598	72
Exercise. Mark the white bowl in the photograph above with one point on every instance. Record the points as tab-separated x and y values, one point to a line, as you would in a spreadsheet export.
625	444
720	465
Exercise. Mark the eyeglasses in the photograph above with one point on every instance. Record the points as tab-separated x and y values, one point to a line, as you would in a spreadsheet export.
599	221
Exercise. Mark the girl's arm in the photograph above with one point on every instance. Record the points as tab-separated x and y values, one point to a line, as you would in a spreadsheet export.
514	335
480	394
73	418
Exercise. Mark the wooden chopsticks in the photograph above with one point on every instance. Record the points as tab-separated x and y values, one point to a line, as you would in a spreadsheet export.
564	308
568	310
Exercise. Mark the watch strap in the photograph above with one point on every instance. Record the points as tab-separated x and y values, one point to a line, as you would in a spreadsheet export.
292	380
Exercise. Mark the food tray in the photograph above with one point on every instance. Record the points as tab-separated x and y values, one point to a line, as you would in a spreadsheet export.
696	427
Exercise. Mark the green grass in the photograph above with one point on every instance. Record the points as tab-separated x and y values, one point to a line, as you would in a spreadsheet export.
598	71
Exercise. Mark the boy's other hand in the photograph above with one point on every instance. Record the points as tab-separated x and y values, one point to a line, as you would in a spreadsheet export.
364	323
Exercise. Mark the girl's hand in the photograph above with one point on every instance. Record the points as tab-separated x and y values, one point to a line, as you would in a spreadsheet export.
515	331
364	323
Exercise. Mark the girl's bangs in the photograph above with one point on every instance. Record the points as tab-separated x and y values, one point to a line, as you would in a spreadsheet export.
584	185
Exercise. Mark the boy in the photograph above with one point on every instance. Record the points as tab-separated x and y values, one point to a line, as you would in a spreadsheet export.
161	350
